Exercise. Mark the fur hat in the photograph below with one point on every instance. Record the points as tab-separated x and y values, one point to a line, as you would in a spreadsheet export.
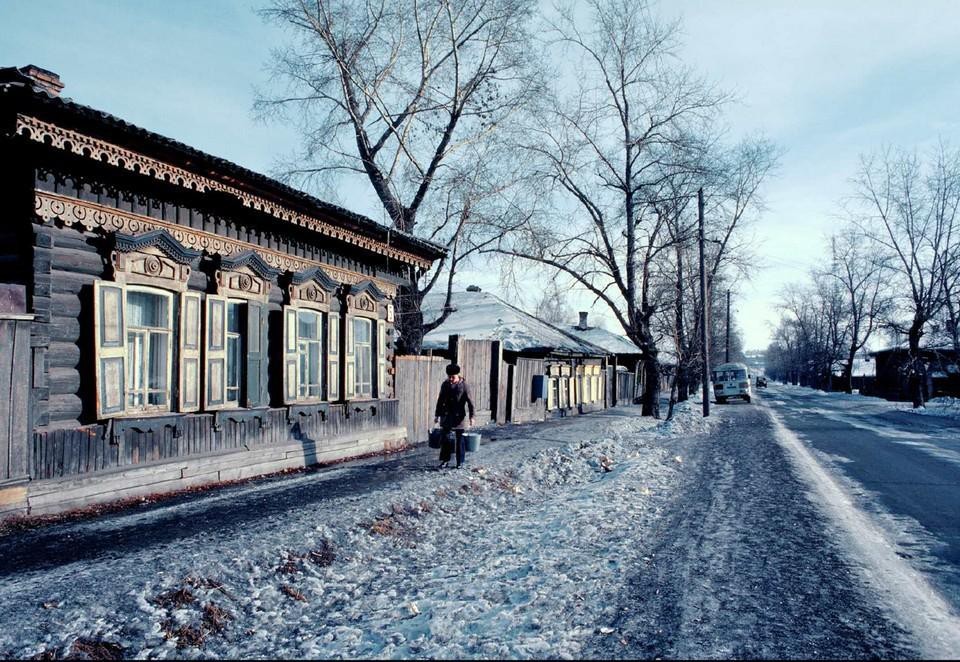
453	369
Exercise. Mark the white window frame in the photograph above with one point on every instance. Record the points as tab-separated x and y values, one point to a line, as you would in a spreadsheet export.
370	348
129	408
302	350
241	359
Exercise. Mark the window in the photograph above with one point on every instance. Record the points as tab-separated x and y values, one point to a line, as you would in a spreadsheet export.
235	352
310	354
149	338
363	356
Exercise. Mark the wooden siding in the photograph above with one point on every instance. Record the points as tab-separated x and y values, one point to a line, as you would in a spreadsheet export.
523	407
418	380
61	453
14	396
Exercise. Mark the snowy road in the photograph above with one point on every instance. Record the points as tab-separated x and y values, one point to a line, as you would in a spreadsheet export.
603	536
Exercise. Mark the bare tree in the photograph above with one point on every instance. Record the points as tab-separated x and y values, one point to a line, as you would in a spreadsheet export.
606	148
398	94
909	208
860	272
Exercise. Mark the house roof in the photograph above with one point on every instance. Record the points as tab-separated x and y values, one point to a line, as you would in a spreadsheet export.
22	93
614	343
483	316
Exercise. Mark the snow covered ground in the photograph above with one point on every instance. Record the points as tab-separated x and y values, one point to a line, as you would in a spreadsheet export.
520	554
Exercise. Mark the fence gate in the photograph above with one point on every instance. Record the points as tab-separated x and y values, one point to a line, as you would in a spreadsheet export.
418	381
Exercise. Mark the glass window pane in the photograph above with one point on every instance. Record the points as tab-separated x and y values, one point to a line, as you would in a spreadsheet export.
233	317
157	361
361	331
146	309
308	326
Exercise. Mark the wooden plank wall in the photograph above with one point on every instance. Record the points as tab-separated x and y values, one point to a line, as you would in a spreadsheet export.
418	381
523	407
625	388
58	453
475	358
14	397
502	392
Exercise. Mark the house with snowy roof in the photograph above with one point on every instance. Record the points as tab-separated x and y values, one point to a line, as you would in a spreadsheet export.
549	371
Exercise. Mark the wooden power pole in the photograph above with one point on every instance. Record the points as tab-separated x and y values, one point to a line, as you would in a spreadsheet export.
727	354
704	341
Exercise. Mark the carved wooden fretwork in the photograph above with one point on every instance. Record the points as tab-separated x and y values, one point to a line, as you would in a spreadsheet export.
312	288
99	150
154	258
246	276
94	216
242	283
365	296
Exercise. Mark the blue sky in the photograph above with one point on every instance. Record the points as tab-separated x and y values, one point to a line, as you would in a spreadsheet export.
827	81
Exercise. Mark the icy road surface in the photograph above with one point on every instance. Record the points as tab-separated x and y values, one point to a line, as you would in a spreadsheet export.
596	537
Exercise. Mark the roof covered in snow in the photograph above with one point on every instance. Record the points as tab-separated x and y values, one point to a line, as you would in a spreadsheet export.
481	315
608	340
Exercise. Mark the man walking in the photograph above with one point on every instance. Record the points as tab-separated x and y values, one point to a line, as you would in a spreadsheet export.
453	404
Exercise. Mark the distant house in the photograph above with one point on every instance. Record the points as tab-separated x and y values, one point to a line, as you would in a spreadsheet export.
892	372
551	372
626	357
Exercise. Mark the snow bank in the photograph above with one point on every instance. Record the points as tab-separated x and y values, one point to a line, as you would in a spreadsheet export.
520	555
945	407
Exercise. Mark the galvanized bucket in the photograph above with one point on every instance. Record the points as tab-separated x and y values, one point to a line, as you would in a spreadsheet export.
472	441
436	438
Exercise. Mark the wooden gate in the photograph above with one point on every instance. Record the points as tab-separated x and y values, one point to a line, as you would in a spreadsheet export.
480	364
418	381
523	406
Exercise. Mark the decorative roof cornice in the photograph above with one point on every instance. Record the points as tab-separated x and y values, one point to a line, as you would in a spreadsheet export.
84	145
161	239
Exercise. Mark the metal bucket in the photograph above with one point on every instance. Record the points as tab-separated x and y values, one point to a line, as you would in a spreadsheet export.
436	438
472	441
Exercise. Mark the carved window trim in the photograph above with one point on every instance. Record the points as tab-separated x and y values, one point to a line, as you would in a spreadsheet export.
154	259
246	276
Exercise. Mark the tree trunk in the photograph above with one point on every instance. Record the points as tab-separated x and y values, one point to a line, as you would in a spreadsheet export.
848	373
918	373
651	391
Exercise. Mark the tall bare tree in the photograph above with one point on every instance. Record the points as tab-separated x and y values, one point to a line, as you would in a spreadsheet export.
909	207
634	120
397	93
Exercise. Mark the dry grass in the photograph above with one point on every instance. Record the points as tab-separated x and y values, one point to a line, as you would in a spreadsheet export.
293	593
92	649
174	598
215	618
323	555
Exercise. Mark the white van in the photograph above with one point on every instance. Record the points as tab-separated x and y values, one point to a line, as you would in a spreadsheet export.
731	380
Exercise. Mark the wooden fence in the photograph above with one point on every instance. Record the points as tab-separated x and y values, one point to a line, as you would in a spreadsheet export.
523	407
418	380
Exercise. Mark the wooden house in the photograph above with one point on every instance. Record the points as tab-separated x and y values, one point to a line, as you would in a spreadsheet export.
626	361
169	318
548	373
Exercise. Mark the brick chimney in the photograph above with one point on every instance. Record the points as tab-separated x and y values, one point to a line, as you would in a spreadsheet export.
583	321
43	80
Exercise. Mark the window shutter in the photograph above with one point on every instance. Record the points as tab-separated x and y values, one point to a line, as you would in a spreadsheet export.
290	357
190	351
256	366
333	380
215	385
349	360
110	338
380	347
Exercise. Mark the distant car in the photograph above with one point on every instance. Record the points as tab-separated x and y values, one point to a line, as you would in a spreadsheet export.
761	381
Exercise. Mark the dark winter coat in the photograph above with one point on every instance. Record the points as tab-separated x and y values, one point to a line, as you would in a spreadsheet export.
453	404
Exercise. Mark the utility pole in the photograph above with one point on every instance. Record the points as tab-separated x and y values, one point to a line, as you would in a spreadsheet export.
727	355
704	341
